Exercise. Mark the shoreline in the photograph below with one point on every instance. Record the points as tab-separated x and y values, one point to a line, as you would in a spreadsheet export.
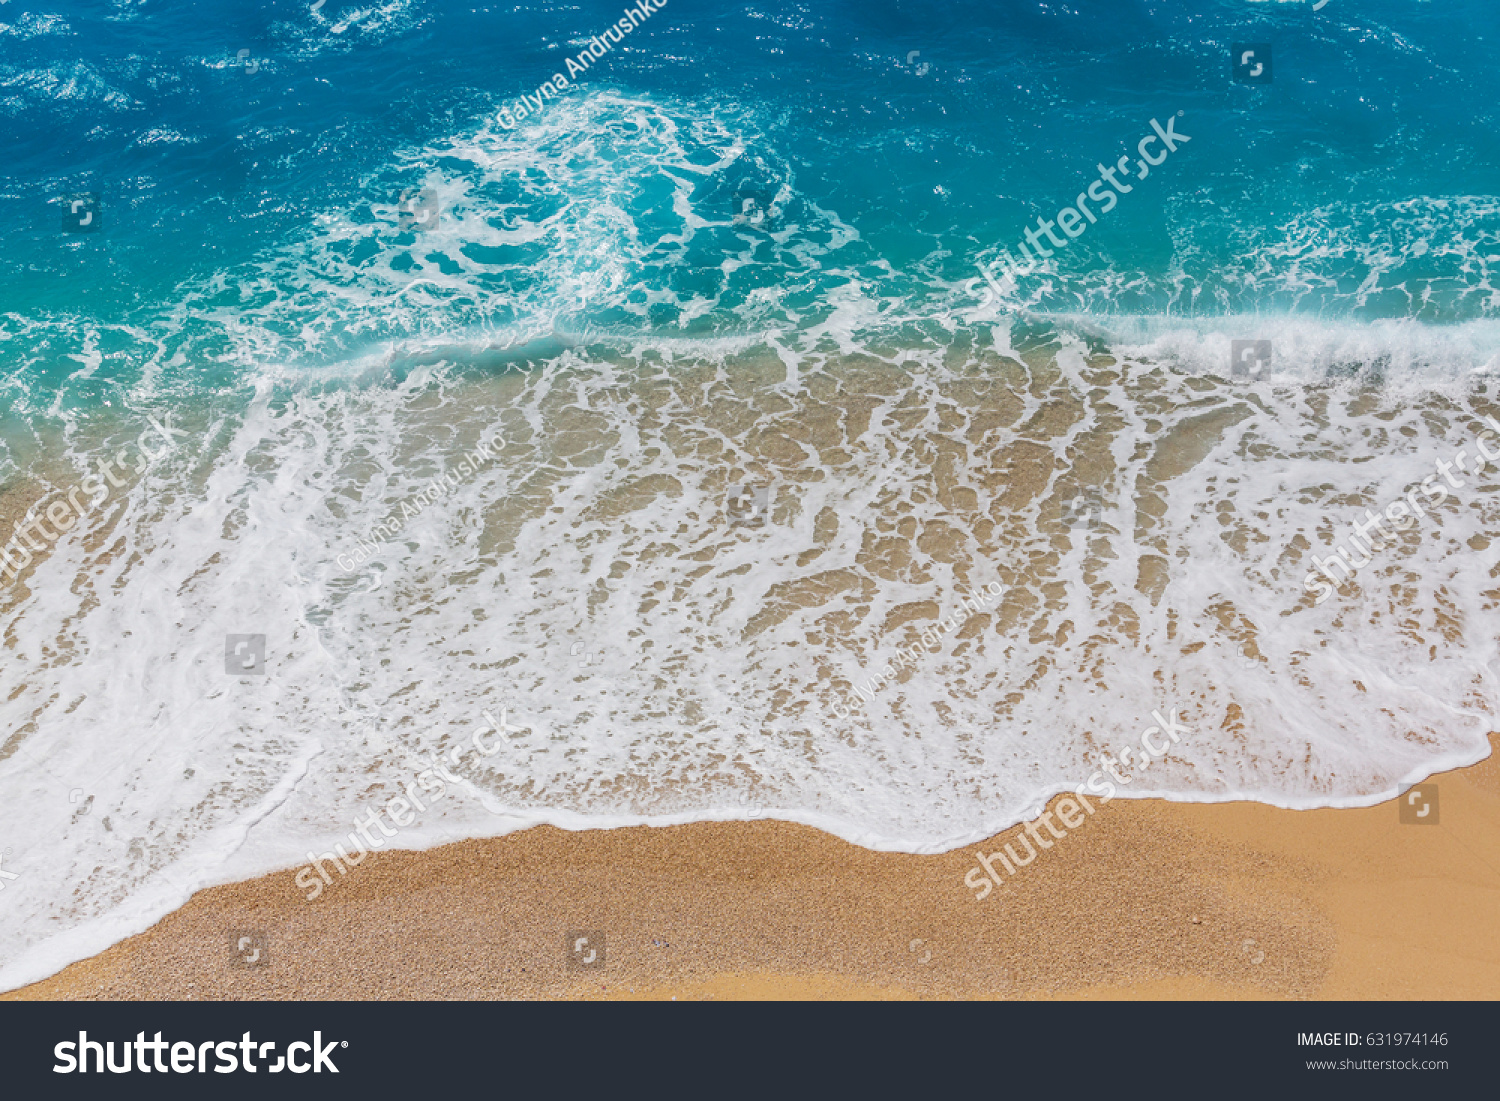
1150	899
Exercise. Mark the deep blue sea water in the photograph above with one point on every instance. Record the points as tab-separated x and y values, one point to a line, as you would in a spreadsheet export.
740	252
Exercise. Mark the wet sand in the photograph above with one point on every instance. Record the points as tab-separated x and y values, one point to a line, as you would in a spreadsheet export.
1147	899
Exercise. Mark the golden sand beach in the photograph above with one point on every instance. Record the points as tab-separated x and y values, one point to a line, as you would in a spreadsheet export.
1150	899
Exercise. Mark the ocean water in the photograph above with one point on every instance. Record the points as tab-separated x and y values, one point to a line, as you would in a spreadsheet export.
655	425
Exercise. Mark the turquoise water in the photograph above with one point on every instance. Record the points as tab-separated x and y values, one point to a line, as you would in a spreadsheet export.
251	214
750	420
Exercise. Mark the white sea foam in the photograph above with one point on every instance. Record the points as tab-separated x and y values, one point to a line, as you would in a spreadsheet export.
718	649
664	663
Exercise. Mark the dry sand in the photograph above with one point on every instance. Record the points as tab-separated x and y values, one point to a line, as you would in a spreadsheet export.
1148	899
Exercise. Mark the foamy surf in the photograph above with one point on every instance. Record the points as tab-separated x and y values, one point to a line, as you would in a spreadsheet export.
667	644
